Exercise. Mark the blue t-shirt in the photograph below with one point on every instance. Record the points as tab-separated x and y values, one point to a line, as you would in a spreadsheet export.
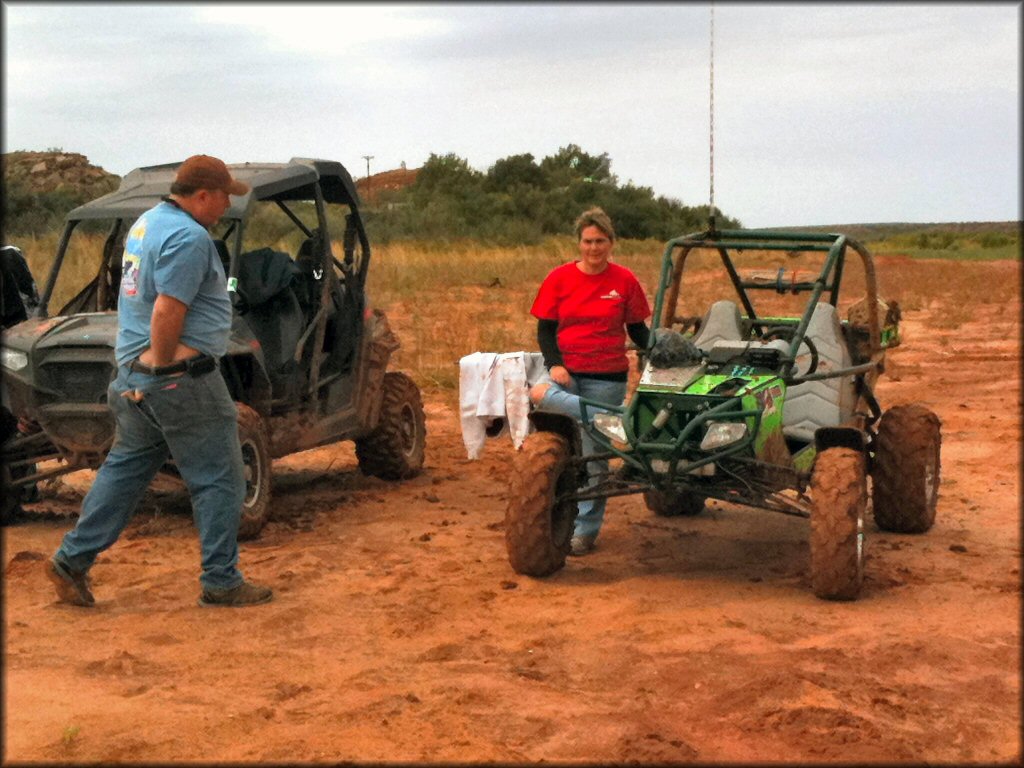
168	252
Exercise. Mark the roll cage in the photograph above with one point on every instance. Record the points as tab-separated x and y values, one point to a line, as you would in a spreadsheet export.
719	404
300	180
827	281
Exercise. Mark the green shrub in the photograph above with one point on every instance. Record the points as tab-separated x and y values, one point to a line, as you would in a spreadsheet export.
520	201
996	240
28	213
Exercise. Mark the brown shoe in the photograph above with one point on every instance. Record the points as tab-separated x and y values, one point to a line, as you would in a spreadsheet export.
71	587
236	597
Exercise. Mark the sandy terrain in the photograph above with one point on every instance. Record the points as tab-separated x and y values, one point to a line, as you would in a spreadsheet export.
399	632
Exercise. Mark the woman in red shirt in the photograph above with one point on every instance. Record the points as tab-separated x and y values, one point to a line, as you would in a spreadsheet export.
584	310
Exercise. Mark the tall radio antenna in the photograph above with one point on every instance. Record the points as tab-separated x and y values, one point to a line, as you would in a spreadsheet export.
711	134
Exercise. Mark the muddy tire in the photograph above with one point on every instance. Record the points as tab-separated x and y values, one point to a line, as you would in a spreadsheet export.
674	504
10	498
905	474
252	434
395	449
9	506
538	527
839	495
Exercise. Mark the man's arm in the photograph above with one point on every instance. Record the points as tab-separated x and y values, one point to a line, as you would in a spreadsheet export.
164	330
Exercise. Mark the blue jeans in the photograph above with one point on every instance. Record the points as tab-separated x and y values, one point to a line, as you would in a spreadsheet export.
566	400
194	421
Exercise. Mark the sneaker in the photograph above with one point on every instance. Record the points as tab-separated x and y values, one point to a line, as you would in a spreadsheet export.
71	587
244	594
581	545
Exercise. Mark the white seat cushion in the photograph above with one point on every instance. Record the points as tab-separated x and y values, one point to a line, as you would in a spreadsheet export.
826	403
721	323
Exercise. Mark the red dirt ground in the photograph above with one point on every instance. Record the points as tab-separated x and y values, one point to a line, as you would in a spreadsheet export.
398	631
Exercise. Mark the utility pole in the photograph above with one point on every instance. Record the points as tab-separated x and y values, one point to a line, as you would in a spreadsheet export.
367	158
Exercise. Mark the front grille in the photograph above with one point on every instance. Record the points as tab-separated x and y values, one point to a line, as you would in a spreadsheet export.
76	381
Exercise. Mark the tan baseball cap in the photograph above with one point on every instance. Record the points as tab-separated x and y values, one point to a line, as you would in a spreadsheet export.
205	172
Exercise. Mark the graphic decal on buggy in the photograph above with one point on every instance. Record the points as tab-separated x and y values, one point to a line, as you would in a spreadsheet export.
767	398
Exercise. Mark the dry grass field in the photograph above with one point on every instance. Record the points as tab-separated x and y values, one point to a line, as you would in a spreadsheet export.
446	301
399	633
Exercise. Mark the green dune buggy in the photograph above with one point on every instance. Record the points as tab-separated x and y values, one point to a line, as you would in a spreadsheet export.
762	405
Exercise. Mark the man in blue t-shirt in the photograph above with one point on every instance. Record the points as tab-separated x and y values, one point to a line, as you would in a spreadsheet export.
174	320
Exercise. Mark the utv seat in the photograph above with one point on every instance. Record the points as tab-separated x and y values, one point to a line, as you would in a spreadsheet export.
343	316
721	323
825	403
265	279
308	276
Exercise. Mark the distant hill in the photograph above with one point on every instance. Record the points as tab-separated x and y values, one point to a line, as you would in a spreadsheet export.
55	171
39	188
876	232
370	187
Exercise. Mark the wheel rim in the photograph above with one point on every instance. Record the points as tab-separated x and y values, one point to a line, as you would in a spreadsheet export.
930	486
252	472
860	547
407	430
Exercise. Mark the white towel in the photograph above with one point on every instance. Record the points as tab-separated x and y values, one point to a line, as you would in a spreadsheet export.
495	386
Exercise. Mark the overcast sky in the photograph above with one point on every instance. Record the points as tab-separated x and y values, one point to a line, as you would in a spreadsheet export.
823	114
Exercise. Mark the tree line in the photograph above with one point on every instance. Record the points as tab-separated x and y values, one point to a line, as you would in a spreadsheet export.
518	200
521	200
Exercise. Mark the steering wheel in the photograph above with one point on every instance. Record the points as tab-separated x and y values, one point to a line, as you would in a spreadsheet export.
786	333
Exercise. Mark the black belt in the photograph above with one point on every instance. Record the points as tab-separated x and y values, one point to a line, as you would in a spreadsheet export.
193	366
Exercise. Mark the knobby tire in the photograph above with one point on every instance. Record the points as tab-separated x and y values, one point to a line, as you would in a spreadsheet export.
839	496
538	527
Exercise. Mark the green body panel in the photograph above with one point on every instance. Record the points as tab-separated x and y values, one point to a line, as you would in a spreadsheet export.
803	459
684	406
759	392
768	394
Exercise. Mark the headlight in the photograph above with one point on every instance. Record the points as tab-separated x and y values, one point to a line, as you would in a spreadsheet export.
610	425
722	433
13	360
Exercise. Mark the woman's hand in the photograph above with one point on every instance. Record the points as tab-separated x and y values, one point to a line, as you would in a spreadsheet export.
560	375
